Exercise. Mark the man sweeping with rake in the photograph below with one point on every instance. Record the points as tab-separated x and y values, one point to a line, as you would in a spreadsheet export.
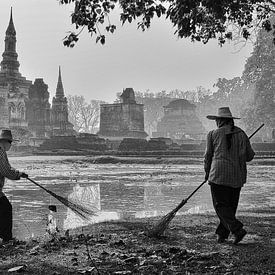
6	171
227	151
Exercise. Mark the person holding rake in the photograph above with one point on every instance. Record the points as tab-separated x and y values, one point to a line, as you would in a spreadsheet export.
227	150
6	171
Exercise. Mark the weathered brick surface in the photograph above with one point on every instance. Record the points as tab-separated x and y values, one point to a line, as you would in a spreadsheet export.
4	109
122	120
133	144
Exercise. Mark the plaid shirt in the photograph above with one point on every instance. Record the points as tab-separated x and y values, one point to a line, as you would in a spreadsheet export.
227	167
6	171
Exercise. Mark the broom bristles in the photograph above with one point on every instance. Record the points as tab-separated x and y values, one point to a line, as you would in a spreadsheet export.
76	208
161	226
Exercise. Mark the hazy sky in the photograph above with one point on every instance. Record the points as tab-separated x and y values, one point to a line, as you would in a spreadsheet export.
154	60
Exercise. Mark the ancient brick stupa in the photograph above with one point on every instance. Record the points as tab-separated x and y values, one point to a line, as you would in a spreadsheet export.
39	110
180	122
13	86
24	106
60	123
122	120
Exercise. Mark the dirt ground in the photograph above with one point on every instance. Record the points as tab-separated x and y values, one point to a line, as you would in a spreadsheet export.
188	247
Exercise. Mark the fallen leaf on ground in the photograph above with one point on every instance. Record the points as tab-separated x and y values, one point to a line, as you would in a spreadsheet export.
16	268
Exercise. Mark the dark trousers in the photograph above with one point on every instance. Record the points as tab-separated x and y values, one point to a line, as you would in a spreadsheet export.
225	201
5	219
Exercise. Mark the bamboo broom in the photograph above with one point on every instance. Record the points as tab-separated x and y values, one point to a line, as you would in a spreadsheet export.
162	225
76	208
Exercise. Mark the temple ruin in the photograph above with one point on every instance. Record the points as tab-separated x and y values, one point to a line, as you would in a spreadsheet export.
59	113
14	87
38	110
24	106
180	122
122	120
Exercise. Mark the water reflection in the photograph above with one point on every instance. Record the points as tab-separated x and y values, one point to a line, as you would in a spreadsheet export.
90	197
128	201
119	191
153	201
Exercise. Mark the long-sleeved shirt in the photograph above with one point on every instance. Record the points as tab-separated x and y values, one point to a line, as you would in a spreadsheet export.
227	166
6	171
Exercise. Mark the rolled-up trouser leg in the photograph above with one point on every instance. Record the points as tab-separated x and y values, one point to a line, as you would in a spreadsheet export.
225	201
5	219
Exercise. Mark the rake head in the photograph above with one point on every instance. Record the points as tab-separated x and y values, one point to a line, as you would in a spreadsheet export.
80	210
162	225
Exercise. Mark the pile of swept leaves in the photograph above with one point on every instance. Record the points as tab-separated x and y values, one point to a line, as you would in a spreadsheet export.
125	248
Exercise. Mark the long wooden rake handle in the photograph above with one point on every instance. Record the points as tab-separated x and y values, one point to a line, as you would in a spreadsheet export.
256	131
45	189
48	191
184	201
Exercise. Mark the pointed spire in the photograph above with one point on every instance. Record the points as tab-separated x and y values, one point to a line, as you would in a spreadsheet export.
59	88
10	62
11	29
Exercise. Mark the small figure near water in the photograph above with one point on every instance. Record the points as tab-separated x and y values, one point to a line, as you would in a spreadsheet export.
6	171
227	151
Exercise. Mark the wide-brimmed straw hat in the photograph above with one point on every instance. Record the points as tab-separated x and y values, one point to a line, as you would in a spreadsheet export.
223	112
6	135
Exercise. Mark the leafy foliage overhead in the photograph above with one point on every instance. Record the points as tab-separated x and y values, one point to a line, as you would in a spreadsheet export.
199	20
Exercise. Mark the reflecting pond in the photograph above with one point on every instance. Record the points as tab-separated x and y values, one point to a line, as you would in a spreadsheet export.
119	191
